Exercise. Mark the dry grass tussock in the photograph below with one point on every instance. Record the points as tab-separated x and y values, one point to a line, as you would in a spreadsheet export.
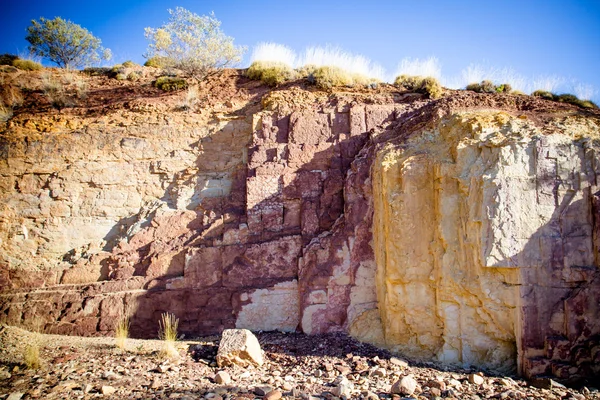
426	85
328	77
167	332
271	73
122	331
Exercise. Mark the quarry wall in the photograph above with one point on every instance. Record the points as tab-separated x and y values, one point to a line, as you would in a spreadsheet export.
470	238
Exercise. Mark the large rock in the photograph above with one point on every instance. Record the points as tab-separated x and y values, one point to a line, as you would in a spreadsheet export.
239	347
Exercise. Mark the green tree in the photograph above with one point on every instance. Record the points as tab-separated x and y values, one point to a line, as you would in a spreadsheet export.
193	43
65	43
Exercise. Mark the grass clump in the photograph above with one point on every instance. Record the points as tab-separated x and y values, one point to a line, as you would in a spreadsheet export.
167	332
564	98
426	85
328	77
170	83
158	62
122	331
489	87
27	65
129	64
8	59
97	71
271	73
32	355
191	98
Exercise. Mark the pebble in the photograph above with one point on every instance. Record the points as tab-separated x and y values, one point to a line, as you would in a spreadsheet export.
273	395
399	362
476	379
108	390
15	396
262	390
222	378
407	385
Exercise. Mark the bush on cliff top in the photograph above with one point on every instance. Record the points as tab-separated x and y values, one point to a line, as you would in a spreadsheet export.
426	85
489	87
27	65
564	98
328	77
7	59
271	73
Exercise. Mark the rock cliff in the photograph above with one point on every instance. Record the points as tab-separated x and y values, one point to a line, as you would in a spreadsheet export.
462	230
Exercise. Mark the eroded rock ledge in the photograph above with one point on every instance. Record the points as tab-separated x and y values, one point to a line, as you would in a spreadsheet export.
462	230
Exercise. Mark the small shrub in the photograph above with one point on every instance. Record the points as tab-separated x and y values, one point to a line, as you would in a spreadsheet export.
8	59
134	76
489	87
158	62
191	98
170	83
504	88
122	331
6	113
330	77
120	77
544	94
419	84
12	96
129	64
97	71
271	73
27	65
81	88
167	332
307	71
32	355
564	98
55	93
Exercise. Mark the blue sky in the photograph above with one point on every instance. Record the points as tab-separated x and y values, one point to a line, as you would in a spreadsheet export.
534	38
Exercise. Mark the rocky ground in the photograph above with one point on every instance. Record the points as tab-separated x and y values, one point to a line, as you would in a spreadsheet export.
296	366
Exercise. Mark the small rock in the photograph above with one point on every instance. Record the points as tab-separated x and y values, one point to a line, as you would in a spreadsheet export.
287	386
544	383
435	392
262	390
476	379
367	394
398	362
273	395
505	382
437	384
379	373
108	390
344	389
111	376
4	374
342	369
407	385
239	347
222	378
455	383
163	368
15	396
87	388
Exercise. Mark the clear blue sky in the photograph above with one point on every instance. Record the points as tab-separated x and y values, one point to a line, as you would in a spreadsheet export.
540	37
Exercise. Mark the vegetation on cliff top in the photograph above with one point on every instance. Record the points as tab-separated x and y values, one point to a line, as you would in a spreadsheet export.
193	44
65	43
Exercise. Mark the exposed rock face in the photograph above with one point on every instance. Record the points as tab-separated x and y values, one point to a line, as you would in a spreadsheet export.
483	235
445	232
